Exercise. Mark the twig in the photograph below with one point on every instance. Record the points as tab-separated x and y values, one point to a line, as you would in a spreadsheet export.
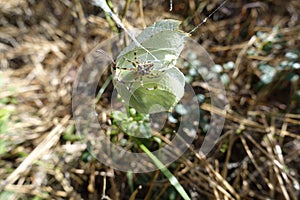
252	158
142	13
241	54
44	146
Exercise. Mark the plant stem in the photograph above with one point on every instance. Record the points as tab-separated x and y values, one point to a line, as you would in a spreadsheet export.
173	180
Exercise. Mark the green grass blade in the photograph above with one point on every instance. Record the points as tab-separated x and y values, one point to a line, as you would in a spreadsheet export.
173	180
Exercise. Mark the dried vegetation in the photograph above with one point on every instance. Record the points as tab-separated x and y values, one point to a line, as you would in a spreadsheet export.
42	45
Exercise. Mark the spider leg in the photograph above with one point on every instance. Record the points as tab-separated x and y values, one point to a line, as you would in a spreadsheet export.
129	87
135	58
124	68
129	83
141	81
142	84
156	75
135	64
127	68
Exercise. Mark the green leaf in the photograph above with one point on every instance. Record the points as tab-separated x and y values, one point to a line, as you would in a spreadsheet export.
296	66
150	81
134	124
7	195
118	116
3	146
164	35
268	73
291	55
4	118
229	65
181	109
156	95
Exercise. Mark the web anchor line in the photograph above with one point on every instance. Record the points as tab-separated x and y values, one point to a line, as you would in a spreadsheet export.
206	18
102	4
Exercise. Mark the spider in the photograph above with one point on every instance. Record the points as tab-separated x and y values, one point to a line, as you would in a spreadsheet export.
140	70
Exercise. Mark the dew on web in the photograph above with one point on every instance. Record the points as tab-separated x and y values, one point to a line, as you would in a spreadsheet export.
171	5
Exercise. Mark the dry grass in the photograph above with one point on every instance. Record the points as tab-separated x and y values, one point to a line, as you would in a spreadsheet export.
42	45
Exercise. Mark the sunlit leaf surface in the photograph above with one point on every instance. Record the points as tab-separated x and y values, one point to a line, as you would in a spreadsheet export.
146	77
